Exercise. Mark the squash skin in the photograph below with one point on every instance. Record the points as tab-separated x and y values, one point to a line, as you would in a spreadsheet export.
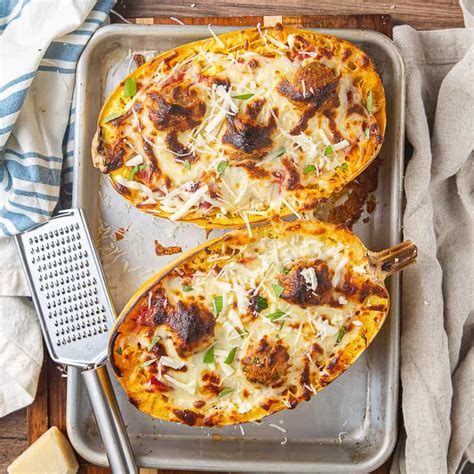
310	197
340	360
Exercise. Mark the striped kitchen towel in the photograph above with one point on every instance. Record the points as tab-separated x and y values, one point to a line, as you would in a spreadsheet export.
40	44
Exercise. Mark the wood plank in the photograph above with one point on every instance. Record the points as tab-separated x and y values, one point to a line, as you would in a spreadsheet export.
38	421
381	23
420	14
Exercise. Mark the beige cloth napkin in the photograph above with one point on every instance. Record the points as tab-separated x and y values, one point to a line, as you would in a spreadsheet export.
437	357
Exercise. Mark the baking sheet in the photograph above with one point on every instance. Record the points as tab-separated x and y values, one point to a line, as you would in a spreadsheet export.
352	425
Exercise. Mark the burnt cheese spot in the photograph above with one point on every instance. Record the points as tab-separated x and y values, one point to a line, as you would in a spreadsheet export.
305	382
265	363
188	417
297	291
115	156
177	147
176	108
248	138
293	176
150	153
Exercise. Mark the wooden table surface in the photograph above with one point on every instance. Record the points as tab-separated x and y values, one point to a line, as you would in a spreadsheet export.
421	14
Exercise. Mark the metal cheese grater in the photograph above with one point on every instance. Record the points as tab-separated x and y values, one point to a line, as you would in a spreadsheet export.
76	313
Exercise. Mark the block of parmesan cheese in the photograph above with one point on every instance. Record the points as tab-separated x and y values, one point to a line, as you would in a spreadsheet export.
51	453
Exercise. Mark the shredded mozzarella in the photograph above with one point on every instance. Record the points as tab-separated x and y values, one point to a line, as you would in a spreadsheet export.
135	161
171	362
192	201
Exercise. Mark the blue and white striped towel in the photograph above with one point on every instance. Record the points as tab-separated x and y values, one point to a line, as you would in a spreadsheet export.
40	43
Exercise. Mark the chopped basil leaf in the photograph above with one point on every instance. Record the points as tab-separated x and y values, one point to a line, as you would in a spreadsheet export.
187	288
217	303
153	343
285	271
277	289
209	356
328	150
148	362
280	152
119	351
281	325
187	165
225	392
369	102
342	331
242	332
135	170
276	315
309	169
243	96
222	166
367	133
111	117
130	87
230	357
261	303
344	166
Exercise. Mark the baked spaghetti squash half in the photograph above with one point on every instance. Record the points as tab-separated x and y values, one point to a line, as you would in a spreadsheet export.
237	128
245	326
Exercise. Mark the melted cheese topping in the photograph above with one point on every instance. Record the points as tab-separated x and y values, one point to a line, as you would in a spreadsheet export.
270	125
306	289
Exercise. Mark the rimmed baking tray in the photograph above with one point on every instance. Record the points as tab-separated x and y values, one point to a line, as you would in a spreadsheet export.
350	426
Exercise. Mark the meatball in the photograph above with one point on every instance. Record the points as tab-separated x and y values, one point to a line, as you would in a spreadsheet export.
313	84
298	291
266	363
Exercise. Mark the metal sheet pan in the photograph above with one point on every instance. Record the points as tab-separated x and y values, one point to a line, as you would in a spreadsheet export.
350	426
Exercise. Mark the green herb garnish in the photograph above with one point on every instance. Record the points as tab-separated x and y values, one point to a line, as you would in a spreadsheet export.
148	362
225	392
187	288
281	325
342	331
217	304
119	351
187	165
369	102
280	152
277	289
364	337
209	356
111	117
367	133
222	166
309	169
242	332
285	271
344	166
153	343
328	150
261	303
276	315
243	96
130	88
135	170
230	357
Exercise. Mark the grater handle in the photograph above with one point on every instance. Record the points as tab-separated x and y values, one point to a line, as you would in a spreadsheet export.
110	421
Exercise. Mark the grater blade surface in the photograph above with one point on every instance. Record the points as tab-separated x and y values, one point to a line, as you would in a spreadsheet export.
68	288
